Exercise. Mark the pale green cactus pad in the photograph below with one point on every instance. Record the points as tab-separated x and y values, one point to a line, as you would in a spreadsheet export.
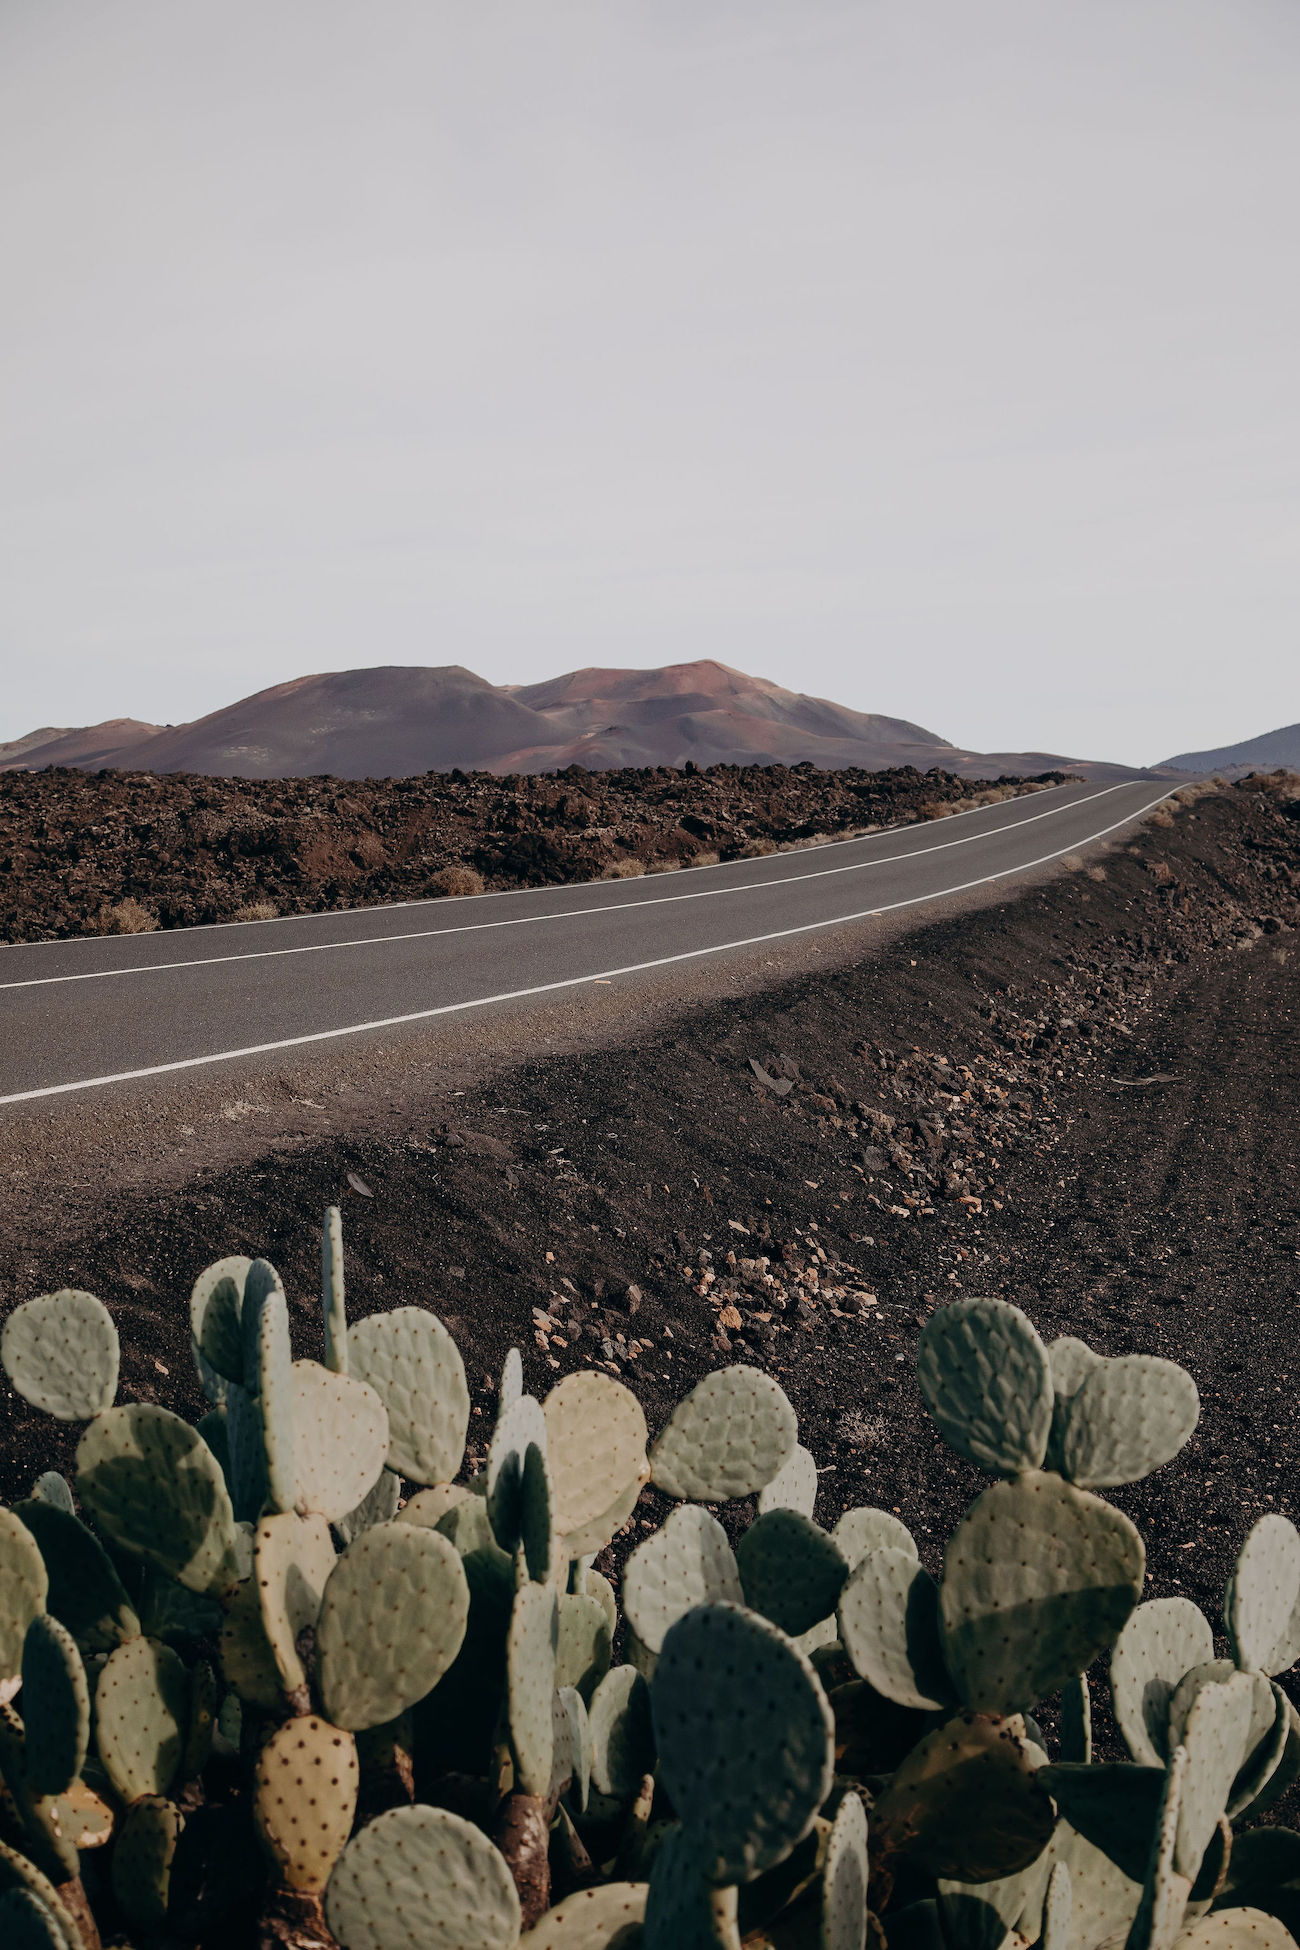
1264	1755
142	1861
422	1879
1183	1698
571	1760
583	1645
340	1440
728	1437
987	1381
269	1378
415	1367
1039	1577
536	1529
965	1804
522	1426
530	1682
23	1586
142	1705
844	1879
1058	1910
156	1490
378	1505
790	1570
1104	1899
607	1917
391	1621
16	1872
682	1910
334	1316
596	1437
1130	1416
594	1536
1161	1641
794	1487
304	1798
889	1625
293	1558
52	1488
60	1352
247	1660
1236	1929
56	1706
863	1529
1216	1740
622	1737
244	1462
1262	1612
512	1381
429	1507
1072	1362
26	1924
747	1782
216	1308
688	1562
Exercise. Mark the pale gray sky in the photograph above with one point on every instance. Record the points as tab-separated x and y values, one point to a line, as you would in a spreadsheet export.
937	357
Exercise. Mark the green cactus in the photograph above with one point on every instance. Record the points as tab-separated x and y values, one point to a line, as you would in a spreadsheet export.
522	1427
987	1381
683	1910
293	1558
60	1352
216	1311
607	1917
143	1858
379	1505
156	1491
530	1676
790	1570
794	1487
965	1804
689	1562
83	1591
862	1530
392	1619
583	1643
334	1316
24	1584
422	1879
141	1718
26	1924
729	1437
1161	1641
1262	1612
340	1438
1129	1417
622	1737
304	1799
844	1879
56	1707
595	1446
415	1368
889	1624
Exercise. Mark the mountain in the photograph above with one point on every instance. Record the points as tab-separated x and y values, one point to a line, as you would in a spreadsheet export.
1263	754
397	720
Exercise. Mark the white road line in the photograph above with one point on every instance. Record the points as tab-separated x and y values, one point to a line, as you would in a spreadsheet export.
510	893
575	981
559	914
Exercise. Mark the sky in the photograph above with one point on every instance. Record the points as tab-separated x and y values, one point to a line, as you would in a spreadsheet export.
937	358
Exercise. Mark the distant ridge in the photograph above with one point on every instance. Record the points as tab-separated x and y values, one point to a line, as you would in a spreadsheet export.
397	720
1266	753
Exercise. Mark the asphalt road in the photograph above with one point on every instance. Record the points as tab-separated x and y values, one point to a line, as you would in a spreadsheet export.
83	1014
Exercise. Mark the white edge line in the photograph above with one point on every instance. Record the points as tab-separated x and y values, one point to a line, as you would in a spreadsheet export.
559	913
505	893
574	981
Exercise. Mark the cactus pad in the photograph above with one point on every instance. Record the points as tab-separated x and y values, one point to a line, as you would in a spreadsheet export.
247	1660
604	1918
794	1487
16	1872
965	1803
292	1561
429	1507
583	1643
1130	1416
378	1505
26	1924
595	1443
1263	1605
142	1861
861	1530
688	1562
56	1706
728	1437
269	1378
340	1439
682	1911
512	1381
216	1308
52	1488
1216	1741
889	1623
790	1570
1039	1577
522	1426
156	1490
594	1536
422	1879
304	1798
748	1780
24	1583
334	1315
391	1622
530	1682
1236	1929
622	1738
414	1366
60	1352
536	1533
987	1381
844	1879
141	1716
1161	1641
572	1757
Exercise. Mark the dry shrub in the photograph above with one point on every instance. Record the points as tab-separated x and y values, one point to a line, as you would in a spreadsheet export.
758	849
456	882
1161	872
706	859
935	809
664	864
256	911
624	870
128	916
1161	817
1073	862
1096	873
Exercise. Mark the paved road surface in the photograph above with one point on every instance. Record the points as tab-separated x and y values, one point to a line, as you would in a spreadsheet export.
79	1015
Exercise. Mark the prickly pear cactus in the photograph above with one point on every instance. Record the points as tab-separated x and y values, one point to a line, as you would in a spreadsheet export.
304	1799
731	1435
422	1879
415	1368
60	1352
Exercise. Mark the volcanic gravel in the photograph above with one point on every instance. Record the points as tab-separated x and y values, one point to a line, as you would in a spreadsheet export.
181	851
1084	1099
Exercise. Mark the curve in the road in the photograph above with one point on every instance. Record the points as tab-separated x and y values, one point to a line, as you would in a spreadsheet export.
587	975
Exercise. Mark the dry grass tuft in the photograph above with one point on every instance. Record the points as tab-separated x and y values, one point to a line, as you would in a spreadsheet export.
1096	873
664	864
1161	872
128	916
457	882
624	870
758	849
256	911
1073	862
706	859
1160	817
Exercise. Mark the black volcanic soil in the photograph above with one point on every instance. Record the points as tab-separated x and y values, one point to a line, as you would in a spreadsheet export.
1086	1099
185	851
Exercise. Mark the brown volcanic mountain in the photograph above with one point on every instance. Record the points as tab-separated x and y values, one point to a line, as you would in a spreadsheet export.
397	721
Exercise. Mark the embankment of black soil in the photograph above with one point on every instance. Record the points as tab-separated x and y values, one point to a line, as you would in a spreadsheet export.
121	852
1085	1099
